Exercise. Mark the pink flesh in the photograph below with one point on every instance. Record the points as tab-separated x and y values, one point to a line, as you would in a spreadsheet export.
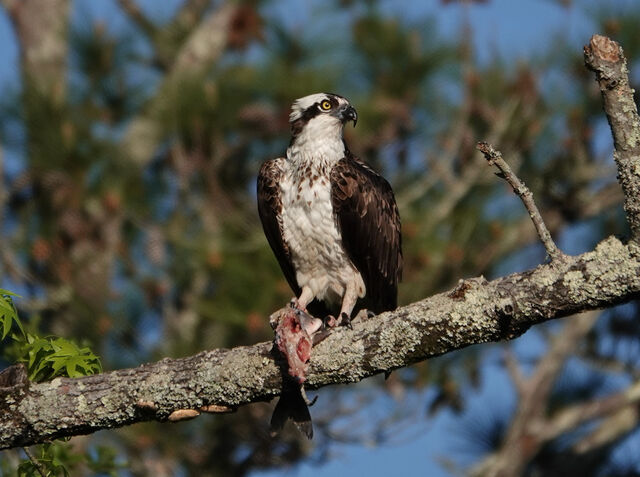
295	344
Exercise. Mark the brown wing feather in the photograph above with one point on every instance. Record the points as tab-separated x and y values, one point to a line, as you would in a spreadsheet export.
270	211
367	216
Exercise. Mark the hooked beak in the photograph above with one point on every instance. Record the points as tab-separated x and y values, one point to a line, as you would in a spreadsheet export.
348	114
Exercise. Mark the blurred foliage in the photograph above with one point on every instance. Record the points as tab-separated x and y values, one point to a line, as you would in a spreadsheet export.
59	459
167	257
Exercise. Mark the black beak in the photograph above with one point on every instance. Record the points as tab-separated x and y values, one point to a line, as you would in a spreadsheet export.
349	114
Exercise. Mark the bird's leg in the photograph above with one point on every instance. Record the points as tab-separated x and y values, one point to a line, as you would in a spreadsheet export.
349	300
345	320
365	314
303	300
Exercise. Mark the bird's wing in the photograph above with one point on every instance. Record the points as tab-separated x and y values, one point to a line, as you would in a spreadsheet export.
270	211
367	217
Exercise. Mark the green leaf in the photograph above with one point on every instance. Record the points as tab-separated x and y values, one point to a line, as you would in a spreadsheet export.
52	356
8	314
7	292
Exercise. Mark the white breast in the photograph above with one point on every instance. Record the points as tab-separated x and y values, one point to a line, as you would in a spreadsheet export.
310	232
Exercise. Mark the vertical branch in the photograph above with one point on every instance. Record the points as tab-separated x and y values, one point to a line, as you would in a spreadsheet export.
605	57
41	27
495	159
201	50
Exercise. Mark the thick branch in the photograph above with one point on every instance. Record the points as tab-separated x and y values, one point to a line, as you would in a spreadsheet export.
41	27
189	13
478	312
606	59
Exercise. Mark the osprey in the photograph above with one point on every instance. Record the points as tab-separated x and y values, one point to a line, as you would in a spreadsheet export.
331	220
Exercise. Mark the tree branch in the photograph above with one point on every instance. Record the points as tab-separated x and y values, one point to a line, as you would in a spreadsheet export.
495	159
133	11
610	429
479	312
605	57
571	417
36	463
41	27
189	13
203	47
476	311
527	431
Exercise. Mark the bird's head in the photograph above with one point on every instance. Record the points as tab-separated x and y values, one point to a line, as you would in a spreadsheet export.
321	113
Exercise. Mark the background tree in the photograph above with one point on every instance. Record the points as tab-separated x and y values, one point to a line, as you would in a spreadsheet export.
131	148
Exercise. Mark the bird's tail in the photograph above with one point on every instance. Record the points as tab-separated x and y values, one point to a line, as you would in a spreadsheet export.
292	405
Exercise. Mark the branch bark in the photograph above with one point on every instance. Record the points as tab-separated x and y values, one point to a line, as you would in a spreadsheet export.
531	428
477	312
495	159
41	27
605	57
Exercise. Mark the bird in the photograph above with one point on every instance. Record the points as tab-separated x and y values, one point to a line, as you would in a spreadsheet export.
331	220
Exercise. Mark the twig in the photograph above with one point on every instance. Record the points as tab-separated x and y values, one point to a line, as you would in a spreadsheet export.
138	17
495	159
563	345
609	430
571	417
462	183
36	463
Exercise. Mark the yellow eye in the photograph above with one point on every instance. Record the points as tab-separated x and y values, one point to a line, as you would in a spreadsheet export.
325	105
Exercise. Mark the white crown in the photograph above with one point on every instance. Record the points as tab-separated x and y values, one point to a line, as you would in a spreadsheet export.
301	104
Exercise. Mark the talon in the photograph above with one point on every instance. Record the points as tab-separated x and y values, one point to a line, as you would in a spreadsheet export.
345	320
370	314
329	321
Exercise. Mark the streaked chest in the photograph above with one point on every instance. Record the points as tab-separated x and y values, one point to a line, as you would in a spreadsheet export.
307	214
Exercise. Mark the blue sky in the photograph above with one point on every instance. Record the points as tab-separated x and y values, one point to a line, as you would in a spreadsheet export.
516	31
